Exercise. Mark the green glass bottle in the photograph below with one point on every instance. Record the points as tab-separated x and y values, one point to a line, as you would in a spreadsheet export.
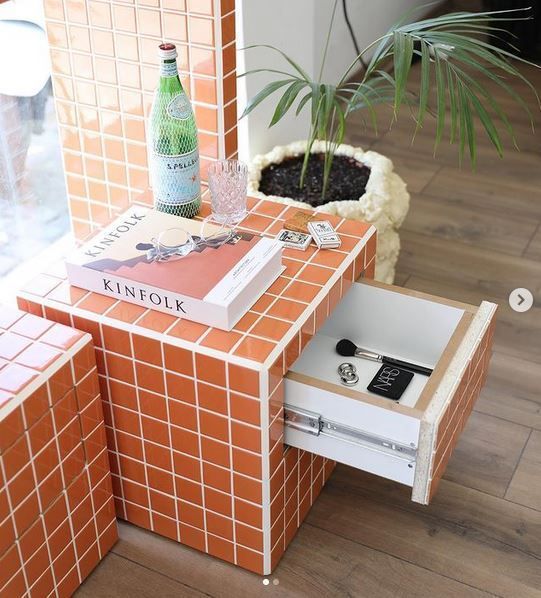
174	152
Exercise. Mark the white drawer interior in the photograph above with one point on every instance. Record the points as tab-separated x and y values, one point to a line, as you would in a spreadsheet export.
385	321
393	439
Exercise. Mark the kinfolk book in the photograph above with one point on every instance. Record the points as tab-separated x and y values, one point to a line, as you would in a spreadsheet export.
214	285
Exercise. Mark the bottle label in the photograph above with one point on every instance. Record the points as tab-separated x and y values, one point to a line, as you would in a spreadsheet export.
169	69
179	107
175	179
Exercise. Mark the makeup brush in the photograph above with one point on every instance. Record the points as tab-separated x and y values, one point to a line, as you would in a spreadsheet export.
347	348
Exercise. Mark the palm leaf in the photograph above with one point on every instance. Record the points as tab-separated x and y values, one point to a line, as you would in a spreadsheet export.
403	56
489	98
286	101
441	98
303	102
425	83
486	121
464	58
453	109
468	123
455	59
274	71
268	90
299	70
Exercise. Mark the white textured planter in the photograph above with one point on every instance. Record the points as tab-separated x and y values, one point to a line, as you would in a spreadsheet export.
384	203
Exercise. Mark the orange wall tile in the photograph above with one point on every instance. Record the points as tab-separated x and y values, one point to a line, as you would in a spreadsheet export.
57	518
104	63
194	415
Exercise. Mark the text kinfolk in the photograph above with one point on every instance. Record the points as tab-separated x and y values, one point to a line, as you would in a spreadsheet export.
143	295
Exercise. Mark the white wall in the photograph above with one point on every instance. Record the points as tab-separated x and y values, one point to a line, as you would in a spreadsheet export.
288	25
299	28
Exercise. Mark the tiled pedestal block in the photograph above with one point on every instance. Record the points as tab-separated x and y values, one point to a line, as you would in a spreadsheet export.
57	516
194	415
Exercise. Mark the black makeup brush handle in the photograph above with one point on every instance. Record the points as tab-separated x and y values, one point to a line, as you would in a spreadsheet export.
406	365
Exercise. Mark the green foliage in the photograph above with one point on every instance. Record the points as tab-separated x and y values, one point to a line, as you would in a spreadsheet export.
455	59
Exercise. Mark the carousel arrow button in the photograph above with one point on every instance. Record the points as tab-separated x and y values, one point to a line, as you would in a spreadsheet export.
520	300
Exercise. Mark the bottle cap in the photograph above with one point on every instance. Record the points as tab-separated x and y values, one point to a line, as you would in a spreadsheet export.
167	51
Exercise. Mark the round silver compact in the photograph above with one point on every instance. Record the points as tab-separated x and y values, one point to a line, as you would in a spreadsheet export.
348	374
346	368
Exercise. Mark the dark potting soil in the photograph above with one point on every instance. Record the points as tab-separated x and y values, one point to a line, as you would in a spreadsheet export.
347	180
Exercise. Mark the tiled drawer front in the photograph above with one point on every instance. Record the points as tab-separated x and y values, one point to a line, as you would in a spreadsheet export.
57	515
453	419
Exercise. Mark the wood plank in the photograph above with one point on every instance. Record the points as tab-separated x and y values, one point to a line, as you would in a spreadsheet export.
468	510
517	334
465	270
317	563
511	168
117	577
487	192
466	267
401	278
178	562
533	251
454	548
359	571
443	219
487	454
512	390
416	173
525	487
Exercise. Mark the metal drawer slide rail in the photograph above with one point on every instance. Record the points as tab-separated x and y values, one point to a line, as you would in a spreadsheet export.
314	424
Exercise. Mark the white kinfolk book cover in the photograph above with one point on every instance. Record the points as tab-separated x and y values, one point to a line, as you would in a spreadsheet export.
214	284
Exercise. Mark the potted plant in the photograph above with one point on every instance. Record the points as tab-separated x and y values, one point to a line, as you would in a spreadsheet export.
323	173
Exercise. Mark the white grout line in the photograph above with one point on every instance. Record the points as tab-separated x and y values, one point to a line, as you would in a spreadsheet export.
265	469
166	494
218	57
231	466
140	419
321	296
133	386
182	453
199	446
43	376
229	357
17	534
148	332
173	470
112	414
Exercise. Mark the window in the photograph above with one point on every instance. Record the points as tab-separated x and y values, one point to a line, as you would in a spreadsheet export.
33	202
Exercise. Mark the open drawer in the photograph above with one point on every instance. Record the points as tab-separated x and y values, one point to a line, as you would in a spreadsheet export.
410	440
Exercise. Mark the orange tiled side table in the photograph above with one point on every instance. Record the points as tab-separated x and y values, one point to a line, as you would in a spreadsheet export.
57	516
194	415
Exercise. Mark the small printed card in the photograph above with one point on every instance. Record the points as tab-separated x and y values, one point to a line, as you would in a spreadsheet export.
293	239
321	228
299	221
324	235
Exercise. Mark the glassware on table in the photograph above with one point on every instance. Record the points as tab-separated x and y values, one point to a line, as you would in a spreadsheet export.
176	243
228	181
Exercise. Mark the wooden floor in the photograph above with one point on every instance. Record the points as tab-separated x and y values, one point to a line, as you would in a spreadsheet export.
467	237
